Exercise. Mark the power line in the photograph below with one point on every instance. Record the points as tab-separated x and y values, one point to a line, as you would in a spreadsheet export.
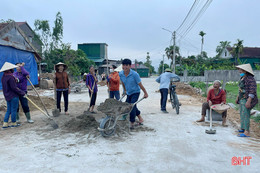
190	11
203	9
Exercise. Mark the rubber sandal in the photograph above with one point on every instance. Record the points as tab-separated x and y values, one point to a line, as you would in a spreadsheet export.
242	135
241	131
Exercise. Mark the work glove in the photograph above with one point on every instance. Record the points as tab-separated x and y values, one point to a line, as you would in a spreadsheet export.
25	95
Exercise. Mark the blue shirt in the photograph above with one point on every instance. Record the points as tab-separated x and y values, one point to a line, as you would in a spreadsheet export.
90	82
131	82
165	79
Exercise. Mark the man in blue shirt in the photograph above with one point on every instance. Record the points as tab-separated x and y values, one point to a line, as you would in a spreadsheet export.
164	80
131	82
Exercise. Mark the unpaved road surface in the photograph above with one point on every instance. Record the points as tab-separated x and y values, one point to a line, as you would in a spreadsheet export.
166	142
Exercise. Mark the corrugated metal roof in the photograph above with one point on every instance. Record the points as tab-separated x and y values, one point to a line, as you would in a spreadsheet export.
11	35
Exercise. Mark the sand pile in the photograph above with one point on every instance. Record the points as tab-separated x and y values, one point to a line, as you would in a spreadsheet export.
48	101
114	107
186	89
84	123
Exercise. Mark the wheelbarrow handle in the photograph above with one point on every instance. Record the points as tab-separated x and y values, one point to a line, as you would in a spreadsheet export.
138	101
122	97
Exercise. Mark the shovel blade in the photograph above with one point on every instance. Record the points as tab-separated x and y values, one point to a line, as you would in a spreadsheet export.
210	131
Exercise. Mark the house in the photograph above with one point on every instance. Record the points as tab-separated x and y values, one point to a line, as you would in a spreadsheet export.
15	47
249	55
96	52
141	69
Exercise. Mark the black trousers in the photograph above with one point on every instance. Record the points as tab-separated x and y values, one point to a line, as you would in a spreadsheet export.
66	99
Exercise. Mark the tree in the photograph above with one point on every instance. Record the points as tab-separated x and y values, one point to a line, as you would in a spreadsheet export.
51	40
237	50
148	64
161	67
75	59
220	48
202	40
169	53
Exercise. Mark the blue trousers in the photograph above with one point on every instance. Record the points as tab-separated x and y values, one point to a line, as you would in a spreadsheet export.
12	106
115	94
132	99
164	95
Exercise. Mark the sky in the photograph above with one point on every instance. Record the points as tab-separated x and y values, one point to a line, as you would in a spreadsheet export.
131	28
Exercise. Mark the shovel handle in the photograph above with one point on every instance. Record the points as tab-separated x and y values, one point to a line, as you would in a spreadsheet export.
37	107
38	95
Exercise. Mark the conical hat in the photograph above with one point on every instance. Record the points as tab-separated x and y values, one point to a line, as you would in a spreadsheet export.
8	66
246	67
60	63
119	68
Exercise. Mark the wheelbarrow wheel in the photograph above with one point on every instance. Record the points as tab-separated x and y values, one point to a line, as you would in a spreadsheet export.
105	125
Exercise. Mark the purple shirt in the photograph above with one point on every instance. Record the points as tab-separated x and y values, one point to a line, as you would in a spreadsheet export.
90	81
10	89
22	78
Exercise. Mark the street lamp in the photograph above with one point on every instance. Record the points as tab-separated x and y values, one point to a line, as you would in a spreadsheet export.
173	38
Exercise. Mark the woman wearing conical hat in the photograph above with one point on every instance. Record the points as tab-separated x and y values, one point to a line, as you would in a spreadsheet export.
247	97
11	94
62	83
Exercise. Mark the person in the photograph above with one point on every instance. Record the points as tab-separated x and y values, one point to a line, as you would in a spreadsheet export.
11	94
247	97
113	82
21	74
216	95
164	79
131	82
103	76
61	81
91	83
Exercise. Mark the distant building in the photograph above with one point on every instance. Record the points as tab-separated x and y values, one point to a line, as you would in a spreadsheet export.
15	47
249	55
96	52
141	69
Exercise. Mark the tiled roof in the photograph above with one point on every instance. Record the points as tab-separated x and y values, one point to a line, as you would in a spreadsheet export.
2	25
249	52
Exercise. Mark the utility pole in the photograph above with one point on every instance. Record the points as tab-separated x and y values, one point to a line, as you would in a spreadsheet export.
174	52
163	64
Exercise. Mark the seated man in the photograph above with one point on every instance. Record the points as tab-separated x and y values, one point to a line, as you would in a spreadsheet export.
215	96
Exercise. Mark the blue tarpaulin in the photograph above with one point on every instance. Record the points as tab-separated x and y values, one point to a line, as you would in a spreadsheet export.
12	55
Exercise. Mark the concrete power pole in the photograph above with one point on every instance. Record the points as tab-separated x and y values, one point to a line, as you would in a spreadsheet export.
174	52
163	64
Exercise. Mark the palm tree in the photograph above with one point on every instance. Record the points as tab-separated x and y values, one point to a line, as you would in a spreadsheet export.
202	40
169	52
237	50
223	45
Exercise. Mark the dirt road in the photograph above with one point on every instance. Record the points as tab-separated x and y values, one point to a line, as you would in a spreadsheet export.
166	143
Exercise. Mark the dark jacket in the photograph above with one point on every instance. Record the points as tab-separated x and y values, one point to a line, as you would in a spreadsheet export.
62	80
10	88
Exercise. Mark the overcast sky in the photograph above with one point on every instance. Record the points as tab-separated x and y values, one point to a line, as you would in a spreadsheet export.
131	28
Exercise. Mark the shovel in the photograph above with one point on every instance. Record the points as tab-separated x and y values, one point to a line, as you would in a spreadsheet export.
210	131
51	121
38	96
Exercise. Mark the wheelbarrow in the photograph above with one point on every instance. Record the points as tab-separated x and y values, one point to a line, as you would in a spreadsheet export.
108	124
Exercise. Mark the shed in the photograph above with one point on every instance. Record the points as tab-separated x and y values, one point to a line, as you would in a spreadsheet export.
15	47
141	69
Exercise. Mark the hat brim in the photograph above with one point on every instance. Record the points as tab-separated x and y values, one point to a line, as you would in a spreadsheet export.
64	65
246	68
